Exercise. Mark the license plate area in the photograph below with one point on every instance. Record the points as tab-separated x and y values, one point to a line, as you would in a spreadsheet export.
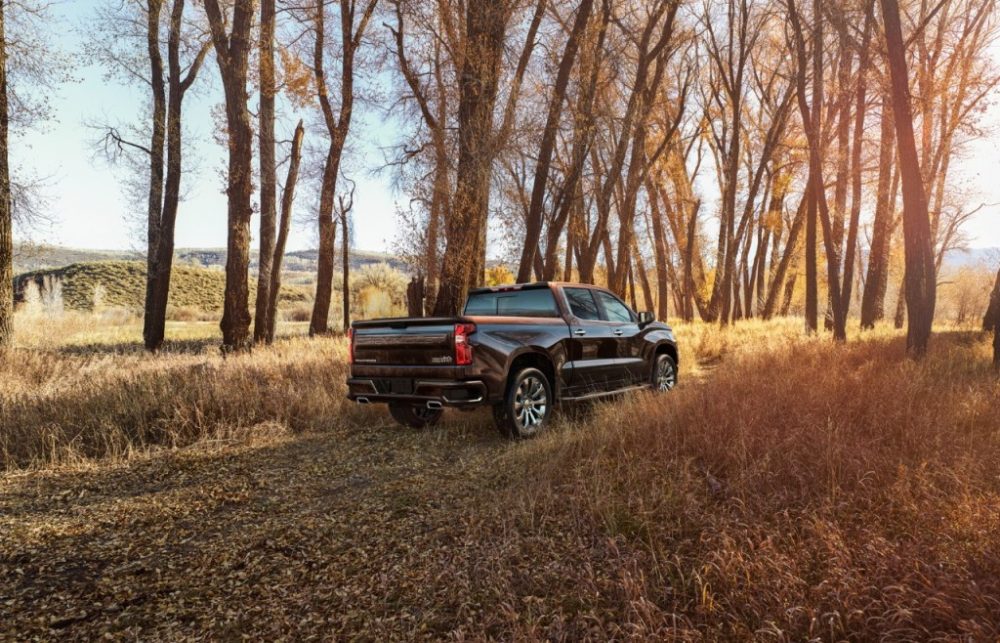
394	385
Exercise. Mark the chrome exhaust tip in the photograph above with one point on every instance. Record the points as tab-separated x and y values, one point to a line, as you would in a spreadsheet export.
434	405
363	400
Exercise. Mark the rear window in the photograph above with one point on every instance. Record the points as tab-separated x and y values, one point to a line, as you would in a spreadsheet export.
537	302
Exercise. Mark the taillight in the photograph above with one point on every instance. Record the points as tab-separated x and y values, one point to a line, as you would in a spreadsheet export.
350	345
463	349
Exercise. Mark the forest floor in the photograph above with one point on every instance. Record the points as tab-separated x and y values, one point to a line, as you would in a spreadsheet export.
790	488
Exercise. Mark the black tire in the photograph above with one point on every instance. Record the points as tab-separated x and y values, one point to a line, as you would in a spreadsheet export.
664	378
527	405
415	416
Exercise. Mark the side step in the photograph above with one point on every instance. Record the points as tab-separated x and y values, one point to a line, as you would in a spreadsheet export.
600	394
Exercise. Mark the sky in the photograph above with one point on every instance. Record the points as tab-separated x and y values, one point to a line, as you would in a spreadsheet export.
87	206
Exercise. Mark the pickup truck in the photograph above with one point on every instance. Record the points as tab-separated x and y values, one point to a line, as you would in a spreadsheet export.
518	349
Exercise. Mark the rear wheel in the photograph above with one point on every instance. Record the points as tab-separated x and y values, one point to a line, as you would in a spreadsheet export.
415	416
527	405
664	374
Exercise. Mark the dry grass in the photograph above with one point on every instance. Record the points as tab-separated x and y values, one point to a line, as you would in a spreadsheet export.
790	489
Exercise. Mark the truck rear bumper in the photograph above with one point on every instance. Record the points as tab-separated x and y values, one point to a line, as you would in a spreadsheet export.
417	391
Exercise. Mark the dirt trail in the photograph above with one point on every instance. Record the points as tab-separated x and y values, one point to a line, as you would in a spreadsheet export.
317	533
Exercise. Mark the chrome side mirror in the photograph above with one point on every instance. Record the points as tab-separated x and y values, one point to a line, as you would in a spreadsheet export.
646	318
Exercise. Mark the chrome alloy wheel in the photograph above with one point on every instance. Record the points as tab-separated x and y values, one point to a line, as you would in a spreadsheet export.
530	404
666	375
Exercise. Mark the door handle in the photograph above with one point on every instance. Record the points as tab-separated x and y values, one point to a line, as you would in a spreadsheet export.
619	332
579	332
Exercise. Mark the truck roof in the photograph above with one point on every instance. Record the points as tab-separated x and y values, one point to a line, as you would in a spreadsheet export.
530	286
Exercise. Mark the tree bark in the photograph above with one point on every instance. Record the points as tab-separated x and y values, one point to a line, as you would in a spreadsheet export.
991	322
791	246
486	27
268	173
287	200
860	109
811	118
232	53
534	220
921	280
154	207
6	211
660	252
877	279
345	247
154	324
337	128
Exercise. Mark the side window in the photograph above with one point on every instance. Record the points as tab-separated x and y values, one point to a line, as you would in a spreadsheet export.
581	302
616	310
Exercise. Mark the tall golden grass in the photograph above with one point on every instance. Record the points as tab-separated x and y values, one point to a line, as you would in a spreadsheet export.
79	388
805	491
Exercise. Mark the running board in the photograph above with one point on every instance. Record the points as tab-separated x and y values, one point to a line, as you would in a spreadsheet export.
600	394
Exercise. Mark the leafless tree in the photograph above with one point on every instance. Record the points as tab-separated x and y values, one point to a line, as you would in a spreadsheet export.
232	54
284	225
268	171
6	210
353	25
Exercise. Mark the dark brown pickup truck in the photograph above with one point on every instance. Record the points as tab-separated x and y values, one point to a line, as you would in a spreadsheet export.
518	349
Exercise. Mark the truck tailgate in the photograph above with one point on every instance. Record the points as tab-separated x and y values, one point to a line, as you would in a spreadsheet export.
405	342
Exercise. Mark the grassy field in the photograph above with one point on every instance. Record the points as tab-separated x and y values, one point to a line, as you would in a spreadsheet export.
100	285
790	489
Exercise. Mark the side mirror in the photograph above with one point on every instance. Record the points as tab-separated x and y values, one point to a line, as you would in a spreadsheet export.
646	318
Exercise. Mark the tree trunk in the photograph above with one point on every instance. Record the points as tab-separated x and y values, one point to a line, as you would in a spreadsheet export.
899	319
921	280
534	220
152	336
287	200
861	104
268	178
154	324
991	322
6	211
327	246
486	26
812	122
337	128
660	249
232	55
786	305
877	280
345	245
775	289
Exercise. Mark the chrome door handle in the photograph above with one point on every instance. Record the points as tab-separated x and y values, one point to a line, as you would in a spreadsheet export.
579	332
619	332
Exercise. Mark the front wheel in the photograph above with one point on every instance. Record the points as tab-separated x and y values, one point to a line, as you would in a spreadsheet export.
526	407
415	416
664	374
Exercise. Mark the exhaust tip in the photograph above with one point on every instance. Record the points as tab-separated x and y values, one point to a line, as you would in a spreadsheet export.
435	406
363	400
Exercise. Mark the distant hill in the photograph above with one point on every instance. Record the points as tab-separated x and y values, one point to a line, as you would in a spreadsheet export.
32	258
122	284
975	257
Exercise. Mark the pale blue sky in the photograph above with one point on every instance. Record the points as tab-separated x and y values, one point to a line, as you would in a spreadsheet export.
89	209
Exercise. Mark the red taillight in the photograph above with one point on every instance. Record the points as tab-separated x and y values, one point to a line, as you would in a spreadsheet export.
463	349
350	345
